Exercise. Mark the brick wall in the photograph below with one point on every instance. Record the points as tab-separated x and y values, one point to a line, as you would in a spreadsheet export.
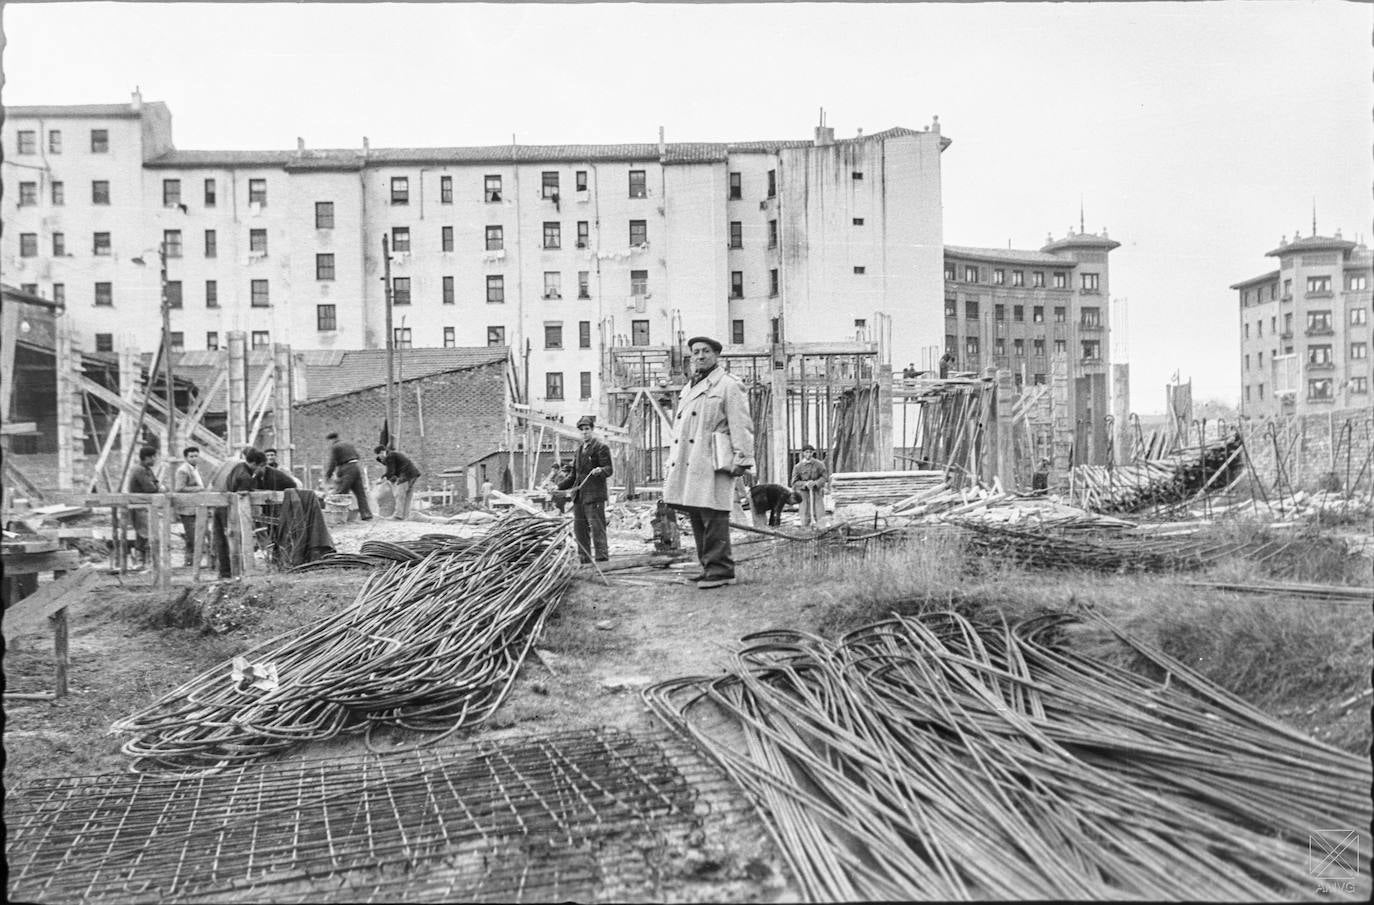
1310	446
463	415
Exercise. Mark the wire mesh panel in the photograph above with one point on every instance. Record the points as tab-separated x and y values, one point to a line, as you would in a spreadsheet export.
573	816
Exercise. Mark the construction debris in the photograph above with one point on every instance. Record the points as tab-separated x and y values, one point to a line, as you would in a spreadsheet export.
882	488
1169	480
936	758
431	645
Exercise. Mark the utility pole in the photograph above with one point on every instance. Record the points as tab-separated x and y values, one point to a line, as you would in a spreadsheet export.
170	451
390	350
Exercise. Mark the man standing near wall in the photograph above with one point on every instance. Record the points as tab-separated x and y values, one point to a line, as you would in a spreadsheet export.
591	467
402	473
343	462
714	444
142	479
809	478
187	479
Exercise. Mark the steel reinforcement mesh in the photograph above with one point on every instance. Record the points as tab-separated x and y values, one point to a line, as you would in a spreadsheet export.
590	815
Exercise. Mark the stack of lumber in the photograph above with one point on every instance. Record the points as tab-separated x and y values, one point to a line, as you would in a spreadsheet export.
882	488
1171	480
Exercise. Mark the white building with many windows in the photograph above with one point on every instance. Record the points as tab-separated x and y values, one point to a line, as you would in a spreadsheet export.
560	252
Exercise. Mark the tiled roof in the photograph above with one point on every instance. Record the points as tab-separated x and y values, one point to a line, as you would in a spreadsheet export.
52	111
1311	243
220	159
1009	255
1265	278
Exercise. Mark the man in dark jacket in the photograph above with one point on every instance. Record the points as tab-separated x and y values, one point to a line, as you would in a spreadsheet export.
343	462
591	468
234	476
142	479
402	473
767	501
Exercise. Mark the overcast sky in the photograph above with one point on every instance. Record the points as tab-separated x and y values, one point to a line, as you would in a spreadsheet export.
1197	134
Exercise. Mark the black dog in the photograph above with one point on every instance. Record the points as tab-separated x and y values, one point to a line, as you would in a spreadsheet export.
771	498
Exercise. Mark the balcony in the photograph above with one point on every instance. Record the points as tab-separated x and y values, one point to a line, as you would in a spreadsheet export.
1286	334
1089	328
1326	330
1321	366
1318	294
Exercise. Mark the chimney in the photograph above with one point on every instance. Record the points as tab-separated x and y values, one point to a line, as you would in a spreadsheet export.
935	124
662	146
136	100
824	134
365	146
300	143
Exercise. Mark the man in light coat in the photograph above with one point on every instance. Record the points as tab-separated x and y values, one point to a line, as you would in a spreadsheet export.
714	444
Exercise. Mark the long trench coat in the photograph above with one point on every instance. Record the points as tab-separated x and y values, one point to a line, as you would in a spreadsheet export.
716	407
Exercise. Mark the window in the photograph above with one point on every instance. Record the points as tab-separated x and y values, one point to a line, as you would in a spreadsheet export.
104	295
1061	279
1261	390
324	214
951	307
639	333
400	190
553	234
736	234
257	192
860	270
548	188
736	187
496	336
54	141
400	337
211	244
971	346
639	283
1259	329
1090	317
553	284
737	332
1318	322
1319	388
210	193
101	244
28	194
211	294
1318	285
858	221
773	281
580	180
400	290
999	347
324	266
1316	355
257	241
177	341
1018	278
1247	330
446	190
584	233
1359	351
772	234
971	310
59	293
450	337
553	385
1356	282
100	191
584	380
584	334
446	238
1038	314
639	232
553	336
496	292
59	245
857	176
970	274
171	192
1247	394
1274	324
1287	288
28	244
584	288
737	284
1288	324
258	294
448	291
1259	360
1038	347
495	238
949	272
1037	279
1018	314
30	288
212	340
173	294
100	141
1060	314
638	189
951	342
1060	347
326	318
491	192
1359	385
772	183
104	342
1358	316
1018	348
400	239
1089	281
999	277
59	194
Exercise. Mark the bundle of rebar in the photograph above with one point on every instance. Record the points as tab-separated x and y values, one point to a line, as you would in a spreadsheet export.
431	645
937	758
583	815
1170	480
881	488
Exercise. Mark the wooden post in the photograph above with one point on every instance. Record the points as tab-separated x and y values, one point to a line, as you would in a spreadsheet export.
1062	442
198	542
1121	413
59	645
1004	436
238	392
281	404
70	428
241	523
164	543
779	443
884	460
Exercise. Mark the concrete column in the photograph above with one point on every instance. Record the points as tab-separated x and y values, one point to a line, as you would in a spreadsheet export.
282	386
1121	412
238	392
1004	436
71	428
1062	420
885	461
128	388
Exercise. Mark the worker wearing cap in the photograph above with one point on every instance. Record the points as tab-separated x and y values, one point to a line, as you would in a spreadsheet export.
591	468
809	478
713	445
343	466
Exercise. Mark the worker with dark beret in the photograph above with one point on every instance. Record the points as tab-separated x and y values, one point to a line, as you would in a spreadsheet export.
591	468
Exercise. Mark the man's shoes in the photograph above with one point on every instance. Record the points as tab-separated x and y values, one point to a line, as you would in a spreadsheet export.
707	584
603	559
693	579
365	518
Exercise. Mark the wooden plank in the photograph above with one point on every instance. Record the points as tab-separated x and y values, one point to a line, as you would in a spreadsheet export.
59	649
31	613
30	545
202	498
198	542
22	428
35	563
163	550
13	475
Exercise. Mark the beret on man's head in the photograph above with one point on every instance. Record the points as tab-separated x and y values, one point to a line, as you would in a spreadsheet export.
331	436
586	421
713	343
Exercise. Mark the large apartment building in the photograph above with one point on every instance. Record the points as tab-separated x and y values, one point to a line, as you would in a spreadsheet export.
1018	309
559	252
1304	328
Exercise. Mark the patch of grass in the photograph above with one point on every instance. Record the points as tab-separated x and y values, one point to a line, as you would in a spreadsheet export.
1308	554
